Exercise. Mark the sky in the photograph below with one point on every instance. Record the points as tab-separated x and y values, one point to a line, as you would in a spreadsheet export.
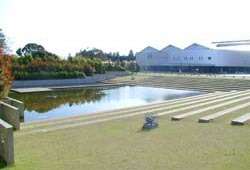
66	26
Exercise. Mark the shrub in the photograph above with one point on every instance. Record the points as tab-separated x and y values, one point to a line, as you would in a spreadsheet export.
6	77
50	70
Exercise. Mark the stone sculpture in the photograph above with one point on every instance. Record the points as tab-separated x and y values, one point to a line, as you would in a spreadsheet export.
150	122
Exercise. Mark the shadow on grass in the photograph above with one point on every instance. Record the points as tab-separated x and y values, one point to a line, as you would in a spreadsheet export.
2	164
141	130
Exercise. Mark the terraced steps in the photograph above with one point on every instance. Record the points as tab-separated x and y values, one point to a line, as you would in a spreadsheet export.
189	82
181	116
241	120
211	117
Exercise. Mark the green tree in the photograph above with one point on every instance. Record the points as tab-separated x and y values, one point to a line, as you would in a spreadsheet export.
133	67
36	52
19	52
2	42
32	47
131	53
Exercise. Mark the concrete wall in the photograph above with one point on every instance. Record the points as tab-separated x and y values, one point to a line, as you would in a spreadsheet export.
16	103
66	82
10	114
6	143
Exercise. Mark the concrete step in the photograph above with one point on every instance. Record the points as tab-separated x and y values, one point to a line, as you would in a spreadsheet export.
241	120
211	117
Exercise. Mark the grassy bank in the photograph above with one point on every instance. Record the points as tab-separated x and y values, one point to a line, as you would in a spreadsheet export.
121	145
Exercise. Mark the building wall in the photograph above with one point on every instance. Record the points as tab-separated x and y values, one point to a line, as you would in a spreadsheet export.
204	57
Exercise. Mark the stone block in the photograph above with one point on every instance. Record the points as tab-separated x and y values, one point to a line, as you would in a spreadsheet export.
10	114
16	103
6	143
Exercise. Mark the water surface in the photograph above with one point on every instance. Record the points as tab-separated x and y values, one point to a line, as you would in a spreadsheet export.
47	105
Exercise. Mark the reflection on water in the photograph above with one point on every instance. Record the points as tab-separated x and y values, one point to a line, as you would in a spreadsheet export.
46	105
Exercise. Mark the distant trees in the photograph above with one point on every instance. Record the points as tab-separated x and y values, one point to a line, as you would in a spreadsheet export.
3	45
92	53
111	61
131	54
34	62
35	51
133	67
97	53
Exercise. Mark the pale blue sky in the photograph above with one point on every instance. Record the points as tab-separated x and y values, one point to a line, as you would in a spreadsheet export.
66	26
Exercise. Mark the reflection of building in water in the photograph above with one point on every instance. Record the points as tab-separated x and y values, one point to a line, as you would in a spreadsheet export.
194	58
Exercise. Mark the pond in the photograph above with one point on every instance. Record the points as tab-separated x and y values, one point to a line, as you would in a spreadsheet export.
54	104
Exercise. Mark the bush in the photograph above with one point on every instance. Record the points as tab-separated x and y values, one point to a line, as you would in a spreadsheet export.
31	68
48	75
6	77
50	70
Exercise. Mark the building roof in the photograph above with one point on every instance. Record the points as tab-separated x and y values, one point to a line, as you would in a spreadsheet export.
149	49
171	48
196	46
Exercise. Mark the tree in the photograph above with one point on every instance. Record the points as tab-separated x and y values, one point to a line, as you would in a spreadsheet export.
133	67
6	77
92	53
19	52
36	52
32	47
2	42
131	53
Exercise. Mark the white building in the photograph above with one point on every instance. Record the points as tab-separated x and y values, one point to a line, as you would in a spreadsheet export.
194	58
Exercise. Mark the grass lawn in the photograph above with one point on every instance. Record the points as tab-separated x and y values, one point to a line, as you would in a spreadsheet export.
121	145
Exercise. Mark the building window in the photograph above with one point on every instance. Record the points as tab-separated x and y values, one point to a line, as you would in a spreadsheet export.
191	58
209	58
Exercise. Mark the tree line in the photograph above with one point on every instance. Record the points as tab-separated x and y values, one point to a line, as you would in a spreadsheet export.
97	53
33	61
